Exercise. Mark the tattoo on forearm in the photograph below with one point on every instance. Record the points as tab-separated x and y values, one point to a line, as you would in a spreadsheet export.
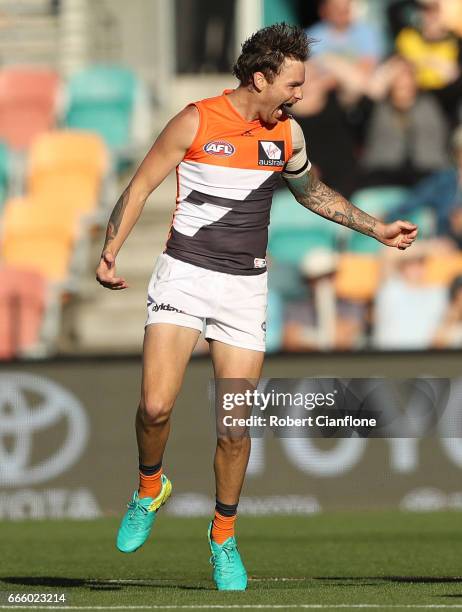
318	197
116	218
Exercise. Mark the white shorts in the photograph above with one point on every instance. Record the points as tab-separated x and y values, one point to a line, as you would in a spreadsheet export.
226	307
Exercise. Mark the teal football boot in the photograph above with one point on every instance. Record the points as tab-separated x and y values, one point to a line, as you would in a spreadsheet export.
228	570
138	520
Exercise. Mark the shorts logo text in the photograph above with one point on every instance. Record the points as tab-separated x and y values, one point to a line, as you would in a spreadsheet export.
168	307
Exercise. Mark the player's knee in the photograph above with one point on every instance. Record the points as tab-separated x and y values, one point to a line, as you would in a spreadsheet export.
154	411
234	446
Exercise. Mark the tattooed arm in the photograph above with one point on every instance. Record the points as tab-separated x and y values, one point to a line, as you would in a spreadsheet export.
313	194
165	154
115	219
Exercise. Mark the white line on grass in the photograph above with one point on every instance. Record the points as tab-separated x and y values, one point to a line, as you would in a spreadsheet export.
238	606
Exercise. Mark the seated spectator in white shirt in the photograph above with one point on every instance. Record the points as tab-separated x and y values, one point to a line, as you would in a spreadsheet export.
407	309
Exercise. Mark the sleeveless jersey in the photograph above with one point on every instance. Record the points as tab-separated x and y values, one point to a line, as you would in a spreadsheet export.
225	186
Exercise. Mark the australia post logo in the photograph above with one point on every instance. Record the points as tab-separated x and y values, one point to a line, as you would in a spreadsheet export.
221	148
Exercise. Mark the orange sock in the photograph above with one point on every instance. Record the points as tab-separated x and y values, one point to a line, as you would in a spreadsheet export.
150	486
223	527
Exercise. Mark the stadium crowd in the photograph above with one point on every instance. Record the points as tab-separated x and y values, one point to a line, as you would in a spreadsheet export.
382	116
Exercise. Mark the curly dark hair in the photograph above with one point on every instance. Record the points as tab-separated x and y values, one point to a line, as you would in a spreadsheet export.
266	50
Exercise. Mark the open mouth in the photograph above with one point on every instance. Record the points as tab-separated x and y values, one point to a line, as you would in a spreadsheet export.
283	109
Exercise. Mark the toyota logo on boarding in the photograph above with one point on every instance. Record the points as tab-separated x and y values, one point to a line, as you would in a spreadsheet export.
220	148
29	405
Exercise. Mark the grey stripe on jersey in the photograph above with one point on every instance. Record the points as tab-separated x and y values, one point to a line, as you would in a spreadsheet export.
234	240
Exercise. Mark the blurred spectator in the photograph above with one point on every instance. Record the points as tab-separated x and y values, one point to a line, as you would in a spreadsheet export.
442	192
449	333
406	134
346	49
339	33
323	119
321	322
407	310
431	47
434	50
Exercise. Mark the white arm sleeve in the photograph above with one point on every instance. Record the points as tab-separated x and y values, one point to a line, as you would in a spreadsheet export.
299	163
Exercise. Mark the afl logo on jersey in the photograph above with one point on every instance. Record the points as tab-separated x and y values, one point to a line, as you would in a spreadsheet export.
221	148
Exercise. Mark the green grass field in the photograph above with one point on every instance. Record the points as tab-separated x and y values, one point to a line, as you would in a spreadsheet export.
383	560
